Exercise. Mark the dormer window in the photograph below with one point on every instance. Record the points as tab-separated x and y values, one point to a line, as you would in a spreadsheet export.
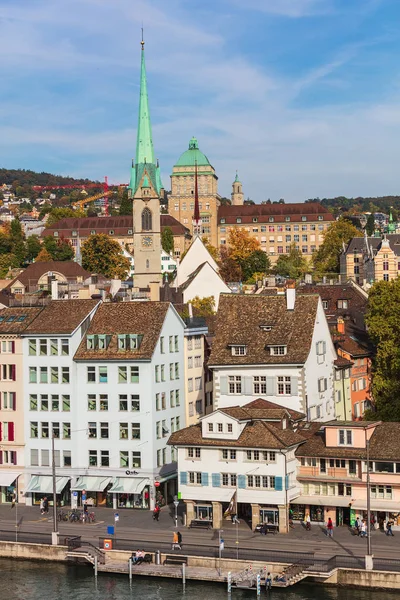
55	234
74	234
271	219
102	342
287	218
345	437
239	350
277	350
238	220
98	342
93	232
342	304
111	232
304	218
223	221
255	219
90	342
325	304
129	341
266	327
320	218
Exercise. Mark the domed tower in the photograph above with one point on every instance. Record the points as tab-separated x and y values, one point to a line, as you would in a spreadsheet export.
181	201
237	192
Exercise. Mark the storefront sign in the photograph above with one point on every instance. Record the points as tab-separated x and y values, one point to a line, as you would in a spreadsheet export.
131	472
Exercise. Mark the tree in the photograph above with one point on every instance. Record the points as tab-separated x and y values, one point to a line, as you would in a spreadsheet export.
212	249
44	256
101	254
370	225
241	244
167	240
326	259
125	207
383	321
33	246
58	249
292	265
7	261
18	245
229	269
56	214
256	262
203	307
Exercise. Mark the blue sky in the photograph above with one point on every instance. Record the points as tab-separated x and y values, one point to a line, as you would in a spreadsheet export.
301	96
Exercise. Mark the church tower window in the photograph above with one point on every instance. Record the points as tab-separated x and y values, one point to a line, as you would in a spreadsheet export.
146	219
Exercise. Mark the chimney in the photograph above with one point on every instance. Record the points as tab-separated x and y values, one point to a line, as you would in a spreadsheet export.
54	289
290	295
154	291
340	325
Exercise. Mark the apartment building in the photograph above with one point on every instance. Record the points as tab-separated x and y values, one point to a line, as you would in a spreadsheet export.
274	347
332	472
277	226
13	321
369	259
130	369
52	400
240	459
195	384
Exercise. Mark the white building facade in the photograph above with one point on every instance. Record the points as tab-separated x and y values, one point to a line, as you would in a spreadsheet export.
275	357
216	465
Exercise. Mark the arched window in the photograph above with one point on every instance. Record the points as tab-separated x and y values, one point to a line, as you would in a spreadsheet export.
146	220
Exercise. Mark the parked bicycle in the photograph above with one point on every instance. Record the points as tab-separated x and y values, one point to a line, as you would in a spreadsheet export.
62	516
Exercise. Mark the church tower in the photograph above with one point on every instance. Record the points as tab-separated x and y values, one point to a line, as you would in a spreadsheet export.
237	192
145	189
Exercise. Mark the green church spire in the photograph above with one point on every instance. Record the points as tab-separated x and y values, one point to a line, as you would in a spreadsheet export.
145	159
144	142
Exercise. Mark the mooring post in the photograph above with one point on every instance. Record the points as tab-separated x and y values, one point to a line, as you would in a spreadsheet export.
258	584
229	582
95	567
130	569
183	575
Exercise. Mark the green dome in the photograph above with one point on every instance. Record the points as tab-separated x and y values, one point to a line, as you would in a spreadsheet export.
193	155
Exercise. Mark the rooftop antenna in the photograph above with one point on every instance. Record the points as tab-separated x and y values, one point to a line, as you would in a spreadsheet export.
142	42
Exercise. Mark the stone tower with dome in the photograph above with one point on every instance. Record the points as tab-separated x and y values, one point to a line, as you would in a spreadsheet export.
181	199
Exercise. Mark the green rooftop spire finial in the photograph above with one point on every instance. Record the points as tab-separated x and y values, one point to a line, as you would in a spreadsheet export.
144	143
237	178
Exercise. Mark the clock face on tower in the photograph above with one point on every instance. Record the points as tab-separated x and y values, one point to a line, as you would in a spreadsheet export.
147	241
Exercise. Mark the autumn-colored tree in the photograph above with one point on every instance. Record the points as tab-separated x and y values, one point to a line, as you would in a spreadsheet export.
212	249
43	256
326	259
203	307
229	269
56	214
59	249
7	261
292	265
241	244
101	254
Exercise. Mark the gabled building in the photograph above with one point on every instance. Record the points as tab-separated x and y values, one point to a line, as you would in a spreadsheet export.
242	458
52	398
274	347
130	369
369	259
333	472
13	321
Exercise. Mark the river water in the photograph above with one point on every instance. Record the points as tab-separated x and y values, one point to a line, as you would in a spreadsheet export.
25	580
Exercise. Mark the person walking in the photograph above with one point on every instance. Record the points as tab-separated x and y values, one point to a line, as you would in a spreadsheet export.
363	529
389	528
329	527
41	506
308	522
175	541
268	581
45	505
357	526
156	512
179	540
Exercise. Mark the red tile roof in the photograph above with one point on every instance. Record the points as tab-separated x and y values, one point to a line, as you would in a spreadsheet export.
262	212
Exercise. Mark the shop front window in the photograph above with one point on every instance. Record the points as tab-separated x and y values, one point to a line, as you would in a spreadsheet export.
269	516
298	512
203	512
317	513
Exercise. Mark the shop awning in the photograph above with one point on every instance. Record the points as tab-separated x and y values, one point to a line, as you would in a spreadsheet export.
44	484
323	500
377	504
8	477
129	485
173	475
91	484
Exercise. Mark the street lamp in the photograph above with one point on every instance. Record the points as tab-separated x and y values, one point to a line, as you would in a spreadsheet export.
220	548
54	535
176	504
